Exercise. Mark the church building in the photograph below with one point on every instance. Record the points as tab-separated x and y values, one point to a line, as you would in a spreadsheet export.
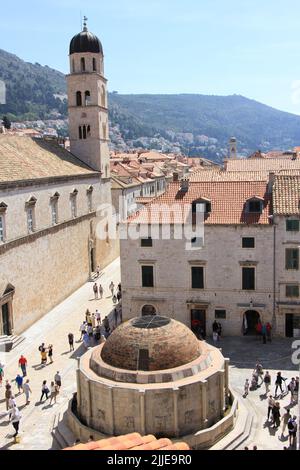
54	231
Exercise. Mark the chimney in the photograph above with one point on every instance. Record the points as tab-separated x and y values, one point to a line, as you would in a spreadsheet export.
175	177
184	185
271	182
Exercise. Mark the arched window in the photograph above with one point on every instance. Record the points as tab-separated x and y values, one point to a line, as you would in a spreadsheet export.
103	101
80	132
78	98
82	61
148	310
87	98
94	65
104	130
88	130
84	132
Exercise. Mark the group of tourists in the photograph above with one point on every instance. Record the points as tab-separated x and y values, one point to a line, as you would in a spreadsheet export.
116	295
93	329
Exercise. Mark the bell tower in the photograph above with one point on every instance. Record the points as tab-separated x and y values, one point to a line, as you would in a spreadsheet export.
233	148
87	102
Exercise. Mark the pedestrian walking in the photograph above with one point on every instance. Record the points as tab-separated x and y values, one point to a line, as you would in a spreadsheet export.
215	337
291	389
8	394
27	391
82	329
101	291
114	299
259	371
12	402
45	390
271	404
292	427
119	295
71	341
285	419
219	331
264	333
276	415
1	375
278	383
93	320
296	390
57	379
267	382
98	317
246	388
112	288
50	353
86	340
23	364
43	356
269	331
90	330
19	383
95	289
15	417
54	390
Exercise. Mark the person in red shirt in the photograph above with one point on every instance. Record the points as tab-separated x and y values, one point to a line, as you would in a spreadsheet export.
23	364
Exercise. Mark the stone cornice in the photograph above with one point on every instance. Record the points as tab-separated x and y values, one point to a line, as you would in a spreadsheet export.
48	180
32	237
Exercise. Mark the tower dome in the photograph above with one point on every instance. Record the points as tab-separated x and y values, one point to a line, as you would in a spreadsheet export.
85	42
158	343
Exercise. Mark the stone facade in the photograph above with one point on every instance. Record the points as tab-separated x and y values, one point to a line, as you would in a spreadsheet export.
222	257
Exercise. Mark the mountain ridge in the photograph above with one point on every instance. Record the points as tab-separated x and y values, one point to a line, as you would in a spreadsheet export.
195	124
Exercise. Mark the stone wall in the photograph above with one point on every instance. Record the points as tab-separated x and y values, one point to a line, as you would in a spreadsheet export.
222	257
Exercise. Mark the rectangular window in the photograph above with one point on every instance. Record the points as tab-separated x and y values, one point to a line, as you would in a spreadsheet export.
90	201
54	213
2	236
197	277
74	207
292	225
248	242
220	314
292	290
146	242
292	258
254	206
30	219
147	276
248	279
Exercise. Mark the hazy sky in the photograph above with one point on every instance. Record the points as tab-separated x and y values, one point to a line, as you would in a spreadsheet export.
221	47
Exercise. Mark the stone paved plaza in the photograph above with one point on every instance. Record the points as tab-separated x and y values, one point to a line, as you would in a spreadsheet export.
37	419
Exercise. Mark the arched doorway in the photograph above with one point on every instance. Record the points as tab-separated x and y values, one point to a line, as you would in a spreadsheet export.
148	310
250	320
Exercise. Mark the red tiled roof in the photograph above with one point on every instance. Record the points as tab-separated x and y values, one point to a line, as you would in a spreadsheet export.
262	164
286	192
132	441
228	201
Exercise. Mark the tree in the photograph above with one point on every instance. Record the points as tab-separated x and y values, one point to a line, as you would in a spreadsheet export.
6	122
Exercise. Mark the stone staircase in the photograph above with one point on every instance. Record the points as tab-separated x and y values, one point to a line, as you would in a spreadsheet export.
7	343
62	435
240	433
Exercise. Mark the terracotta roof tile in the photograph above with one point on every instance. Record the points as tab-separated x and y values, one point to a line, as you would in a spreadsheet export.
228	200
132	441
286	195
262	164
23	158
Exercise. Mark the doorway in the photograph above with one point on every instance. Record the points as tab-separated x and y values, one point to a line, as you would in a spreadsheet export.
198	322
292	325
250	321
92	260
6	330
